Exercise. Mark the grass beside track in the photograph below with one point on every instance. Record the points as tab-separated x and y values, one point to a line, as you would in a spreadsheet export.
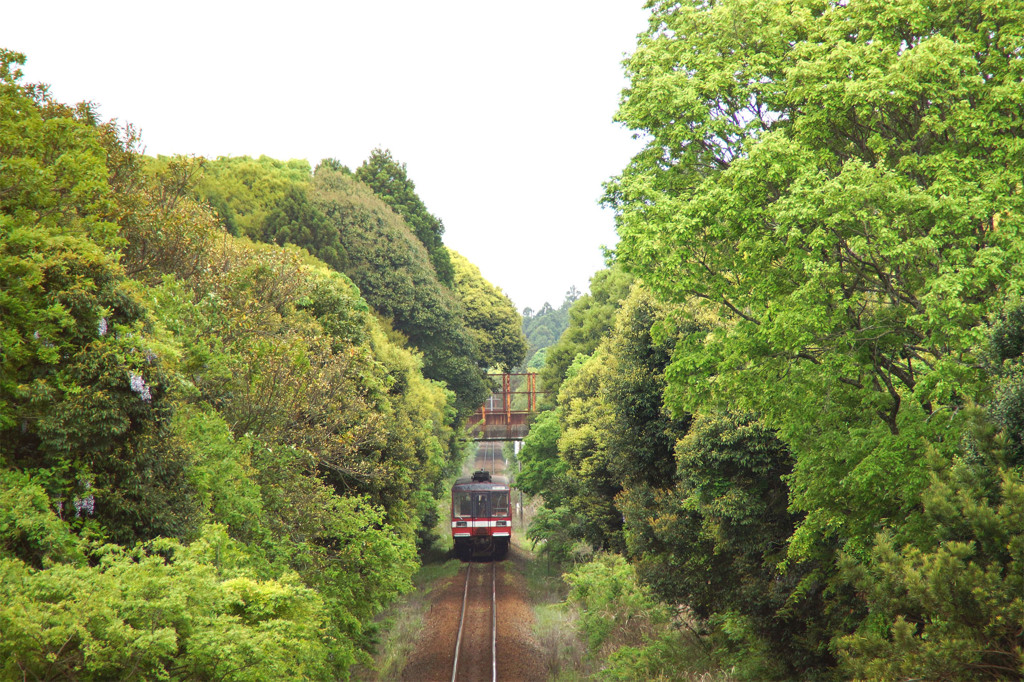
402	622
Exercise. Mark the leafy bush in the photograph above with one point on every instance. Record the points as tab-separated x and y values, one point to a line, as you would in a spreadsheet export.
162	611
633	634
949	605
614	608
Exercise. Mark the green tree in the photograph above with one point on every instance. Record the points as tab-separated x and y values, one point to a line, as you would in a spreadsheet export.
296	220
841	183
950	605
390	181
586	420
160	377
644	434
490	317
543	327
617	439
341	221
245	192
392	270
590	318
541	467
82	394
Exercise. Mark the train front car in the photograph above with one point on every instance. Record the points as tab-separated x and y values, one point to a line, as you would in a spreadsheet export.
481	516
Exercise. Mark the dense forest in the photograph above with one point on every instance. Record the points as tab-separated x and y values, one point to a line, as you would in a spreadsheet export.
782	435
788	441
230	394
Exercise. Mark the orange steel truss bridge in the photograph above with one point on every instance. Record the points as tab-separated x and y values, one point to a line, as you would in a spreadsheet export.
506	415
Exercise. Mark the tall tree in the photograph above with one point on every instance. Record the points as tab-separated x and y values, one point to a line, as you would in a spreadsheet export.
340	220
841	182
81	393
389	180
490	316
591	316
393	271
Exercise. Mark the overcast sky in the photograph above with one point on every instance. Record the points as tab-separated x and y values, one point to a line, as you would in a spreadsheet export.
501	111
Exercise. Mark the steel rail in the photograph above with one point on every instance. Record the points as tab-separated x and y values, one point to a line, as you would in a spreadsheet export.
494	622
462	622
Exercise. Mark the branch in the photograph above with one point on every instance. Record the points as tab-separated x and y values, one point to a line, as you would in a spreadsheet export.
724	301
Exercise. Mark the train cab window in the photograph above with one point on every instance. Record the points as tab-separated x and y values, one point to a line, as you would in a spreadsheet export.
499	504
482	504
462	504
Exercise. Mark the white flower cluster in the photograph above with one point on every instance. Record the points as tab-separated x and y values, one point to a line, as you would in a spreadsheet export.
139	386
85	505
103	326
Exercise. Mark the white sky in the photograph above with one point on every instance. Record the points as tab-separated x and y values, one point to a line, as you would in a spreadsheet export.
501	111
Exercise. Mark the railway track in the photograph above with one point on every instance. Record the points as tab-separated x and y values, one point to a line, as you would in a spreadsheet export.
489	455
476	653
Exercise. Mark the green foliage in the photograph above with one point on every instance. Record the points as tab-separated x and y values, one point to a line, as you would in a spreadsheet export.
490	316
817	178
632	635
82	394
544	327
165	228
537	360
717	540
160	377
835	187
389	180
342	222
1008	407
587	420
541	468
617	440
951	604
731	471
555	532
948	602
615	609
30	531
247	192
673	654
392	270
590	318
296	220
165	611
644	434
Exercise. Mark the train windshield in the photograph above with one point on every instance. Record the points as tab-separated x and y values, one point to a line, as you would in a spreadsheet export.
462	503
499	503
479	504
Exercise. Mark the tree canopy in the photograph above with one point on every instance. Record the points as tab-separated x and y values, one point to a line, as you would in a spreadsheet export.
216	459
590	317
352	228
805	419
490	317
839	184
851	203
390	181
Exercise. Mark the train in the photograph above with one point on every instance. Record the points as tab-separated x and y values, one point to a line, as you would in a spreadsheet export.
481	516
